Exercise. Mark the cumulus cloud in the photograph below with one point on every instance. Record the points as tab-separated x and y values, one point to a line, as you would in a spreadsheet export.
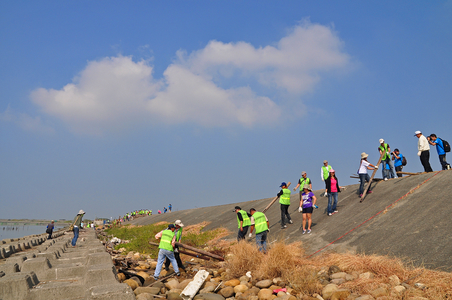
118	92
26	122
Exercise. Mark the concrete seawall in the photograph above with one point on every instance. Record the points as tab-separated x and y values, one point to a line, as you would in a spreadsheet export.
53	269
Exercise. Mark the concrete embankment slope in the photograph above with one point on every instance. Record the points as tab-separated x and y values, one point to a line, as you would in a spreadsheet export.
406	217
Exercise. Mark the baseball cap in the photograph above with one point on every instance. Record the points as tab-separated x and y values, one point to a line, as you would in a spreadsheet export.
325	161
251	209
283	184
171	226
382	141
179	223
235	208
332	170
417	132
81	212
303	173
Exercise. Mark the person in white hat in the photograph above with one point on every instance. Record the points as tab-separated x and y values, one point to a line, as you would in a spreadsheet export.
386	160
178	232
362	172
423	151
76	226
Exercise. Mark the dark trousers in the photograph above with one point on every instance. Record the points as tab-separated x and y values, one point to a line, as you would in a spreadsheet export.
242	234
443	162
284	214
50	235
425	161
179	262
399	169
363	178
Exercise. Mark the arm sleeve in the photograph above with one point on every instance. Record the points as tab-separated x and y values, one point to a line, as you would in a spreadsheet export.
239	215
280	193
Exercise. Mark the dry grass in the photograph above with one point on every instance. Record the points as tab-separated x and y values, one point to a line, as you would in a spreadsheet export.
289	263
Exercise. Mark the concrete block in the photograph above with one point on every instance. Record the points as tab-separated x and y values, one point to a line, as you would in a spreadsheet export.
101	275
19	260
58	290
2	273
118	291
50	255
99	258
15	286
2	253
70	271
9	268
39	265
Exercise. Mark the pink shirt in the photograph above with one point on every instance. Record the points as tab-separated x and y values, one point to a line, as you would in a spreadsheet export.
333	185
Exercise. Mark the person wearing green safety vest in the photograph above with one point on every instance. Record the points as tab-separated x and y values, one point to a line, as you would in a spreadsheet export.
178	232
243	221
302	182
386	159
324	174
166	249
260	222
284	200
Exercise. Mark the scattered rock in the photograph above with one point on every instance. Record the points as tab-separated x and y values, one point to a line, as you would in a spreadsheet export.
121	277
420	285
173	296
150	290
340	294
145	296
338	281
349	277
227	291
208	289
334	269
398	289
233	282
244	278
144	275
184	283
379	292
328	290
208	297
338	275
240	288
132	283
263	284
365	297
265	294
394	280
367	275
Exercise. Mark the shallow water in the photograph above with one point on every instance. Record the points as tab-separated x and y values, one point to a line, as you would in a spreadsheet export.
17	231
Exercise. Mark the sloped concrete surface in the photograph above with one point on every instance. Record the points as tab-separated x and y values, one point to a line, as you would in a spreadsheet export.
417	227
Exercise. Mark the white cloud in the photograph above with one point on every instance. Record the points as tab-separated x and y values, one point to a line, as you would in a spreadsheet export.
26	122
117	92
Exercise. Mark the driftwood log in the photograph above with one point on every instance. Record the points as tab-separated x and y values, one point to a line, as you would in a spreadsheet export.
204	254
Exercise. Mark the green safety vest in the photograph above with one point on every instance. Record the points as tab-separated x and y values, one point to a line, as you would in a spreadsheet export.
285	197
326	171
165	241
246	219
178	234
303	182
260	222
384	149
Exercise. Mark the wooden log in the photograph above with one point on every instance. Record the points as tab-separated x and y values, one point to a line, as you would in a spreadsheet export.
375	179
185	252
408	173
200	251
371	178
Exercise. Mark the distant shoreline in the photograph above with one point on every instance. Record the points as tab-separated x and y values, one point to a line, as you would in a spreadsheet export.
21	222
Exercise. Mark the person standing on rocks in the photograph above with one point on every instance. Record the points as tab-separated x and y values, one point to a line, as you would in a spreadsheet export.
76	226
50	228
259	221
325	173
307	206
243	222
178	232
423	151
362	172
284	200
167	242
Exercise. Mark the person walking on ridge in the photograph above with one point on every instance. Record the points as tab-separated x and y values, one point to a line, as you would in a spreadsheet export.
50	228
302	182
259	221
76	226
178	232
333	188
397	157
325	173
362	172
306	207
423	151
167	242
170	207
386	159
243	221
284	200
436	141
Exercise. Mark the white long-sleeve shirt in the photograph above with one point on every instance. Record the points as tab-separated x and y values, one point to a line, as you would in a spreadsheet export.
422	144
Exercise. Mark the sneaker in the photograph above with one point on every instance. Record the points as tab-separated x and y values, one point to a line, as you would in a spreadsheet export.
283	226
386	179
309	230
335	211
156	278
304	231
290	222
360	195
330	214
369	192
178	274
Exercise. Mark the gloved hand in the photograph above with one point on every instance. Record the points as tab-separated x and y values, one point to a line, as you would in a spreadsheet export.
326	194
419	153
376	167
300	209
176	250
250	235
315	206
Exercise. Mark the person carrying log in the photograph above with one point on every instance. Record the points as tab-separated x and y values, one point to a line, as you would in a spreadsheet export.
178	232
362	172
167	242
260	222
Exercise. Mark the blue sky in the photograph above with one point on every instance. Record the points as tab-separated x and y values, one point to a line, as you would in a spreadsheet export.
114	106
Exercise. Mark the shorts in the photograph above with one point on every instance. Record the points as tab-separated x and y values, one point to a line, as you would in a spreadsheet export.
308	210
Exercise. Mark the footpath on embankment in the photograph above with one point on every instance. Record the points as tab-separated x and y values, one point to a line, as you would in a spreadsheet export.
407	217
